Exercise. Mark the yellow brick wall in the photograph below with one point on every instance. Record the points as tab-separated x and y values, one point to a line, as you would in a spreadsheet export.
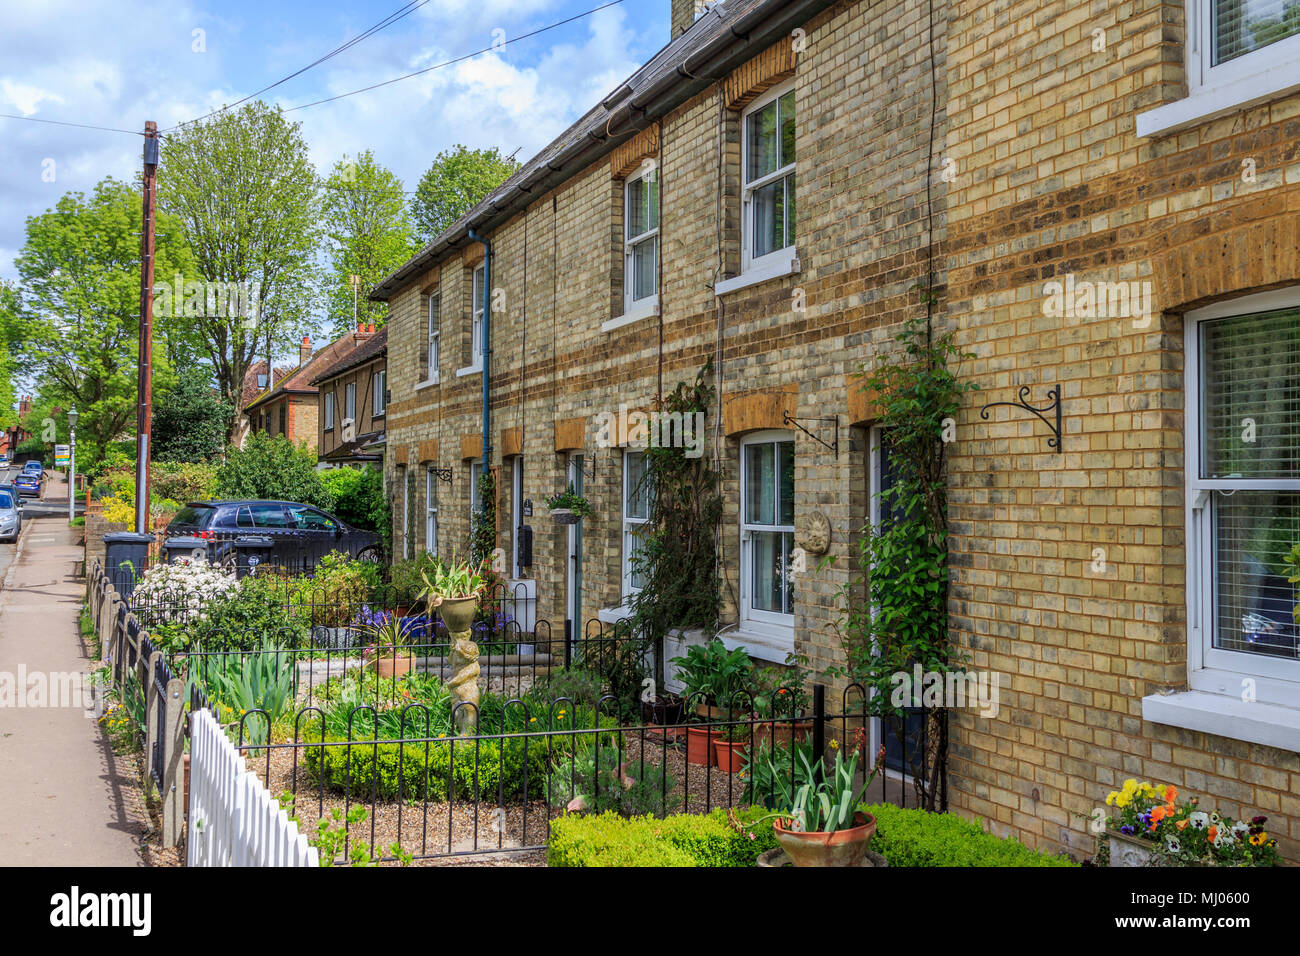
1051	179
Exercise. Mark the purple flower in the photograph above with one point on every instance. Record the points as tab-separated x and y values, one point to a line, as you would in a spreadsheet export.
1127	829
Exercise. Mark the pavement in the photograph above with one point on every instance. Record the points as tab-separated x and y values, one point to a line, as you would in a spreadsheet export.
64	798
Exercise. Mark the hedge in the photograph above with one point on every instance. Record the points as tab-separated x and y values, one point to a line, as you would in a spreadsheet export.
427	774
919	838
903	837
685	839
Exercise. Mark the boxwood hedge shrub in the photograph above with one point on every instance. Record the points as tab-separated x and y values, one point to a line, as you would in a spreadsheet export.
427	771
903	837
686	839
919	838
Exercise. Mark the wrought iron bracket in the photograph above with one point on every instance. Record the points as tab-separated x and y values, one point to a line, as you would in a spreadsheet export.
442	474
1054	406
788	419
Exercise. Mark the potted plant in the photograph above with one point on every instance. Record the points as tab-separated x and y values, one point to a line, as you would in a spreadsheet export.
780	696
389	633
819	823
713	676
731	747
568	507
1152	828
453	589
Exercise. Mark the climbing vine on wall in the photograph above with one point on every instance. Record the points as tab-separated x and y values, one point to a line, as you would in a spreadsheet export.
897	606
678	562
483	522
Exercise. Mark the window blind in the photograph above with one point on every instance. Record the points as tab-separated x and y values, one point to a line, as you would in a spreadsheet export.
1254	601
1251	396
1241	26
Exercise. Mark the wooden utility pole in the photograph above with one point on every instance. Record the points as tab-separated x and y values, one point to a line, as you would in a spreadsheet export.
144	384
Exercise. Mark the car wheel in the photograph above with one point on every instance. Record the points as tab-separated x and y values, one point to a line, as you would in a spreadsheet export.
371	555
229	560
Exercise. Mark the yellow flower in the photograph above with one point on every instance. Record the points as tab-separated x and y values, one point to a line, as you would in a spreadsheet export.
1130	785
1123	800
1110	798
835	744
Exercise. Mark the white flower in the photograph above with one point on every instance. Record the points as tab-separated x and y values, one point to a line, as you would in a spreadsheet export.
1173	845
1199	820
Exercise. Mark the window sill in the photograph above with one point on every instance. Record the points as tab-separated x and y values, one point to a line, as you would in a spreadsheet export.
472	370
1224	716
427	383
755	276
772	644
643	310
612	615
1212	102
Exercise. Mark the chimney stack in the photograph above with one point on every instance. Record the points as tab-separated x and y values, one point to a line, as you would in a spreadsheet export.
684	13
304	350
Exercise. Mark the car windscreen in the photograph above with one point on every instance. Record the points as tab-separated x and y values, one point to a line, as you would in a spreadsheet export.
199	516
6	501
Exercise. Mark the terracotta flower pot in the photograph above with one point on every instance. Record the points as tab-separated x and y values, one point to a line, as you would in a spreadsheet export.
729	755
458	613
782	732
394	665
699	745
838	848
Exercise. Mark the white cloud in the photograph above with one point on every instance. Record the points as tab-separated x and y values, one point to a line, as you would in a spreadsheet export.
119	62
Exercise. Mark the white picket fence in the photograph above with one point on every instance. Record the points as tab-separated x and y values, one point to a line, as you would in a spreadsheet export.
233	819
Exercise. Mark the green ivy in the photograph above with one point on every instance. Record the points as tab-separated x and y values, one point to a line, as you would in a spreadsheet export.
679	557
897	605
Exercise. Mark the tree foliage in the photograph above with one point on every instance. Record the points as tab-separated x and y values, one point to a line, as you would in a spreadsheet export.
80	269
245	191
369	234
272	467
458	179
189	423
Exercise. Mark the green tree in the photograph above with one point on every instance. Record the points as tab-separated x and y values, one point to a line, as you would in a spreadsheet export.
80	300
246	194
10	306
273	467
458	178
189	424
369	234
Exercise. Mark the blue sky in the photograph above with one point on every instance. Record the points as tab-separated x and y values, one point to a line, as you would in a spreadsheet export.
118	63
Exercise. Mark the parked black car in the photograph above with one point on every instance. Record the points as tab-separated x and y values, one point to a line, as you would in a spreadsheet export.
300	534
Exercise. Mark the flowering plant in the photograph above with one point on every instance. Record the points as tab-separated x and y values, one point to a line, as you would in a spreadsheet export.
1182	833
181	593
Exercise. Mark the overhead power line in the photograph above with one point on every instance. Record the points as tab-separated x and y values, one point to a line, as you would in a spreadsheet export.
459	59
398	14
389	20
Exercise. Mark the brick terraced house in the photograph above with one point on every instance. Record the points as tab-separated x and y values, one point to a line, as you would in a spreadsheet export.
353	395
1107	202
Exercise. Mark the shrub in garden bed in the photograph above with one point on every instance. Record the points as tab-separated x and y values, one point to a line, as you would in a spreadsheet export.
484	769
904	837
911	837
683	840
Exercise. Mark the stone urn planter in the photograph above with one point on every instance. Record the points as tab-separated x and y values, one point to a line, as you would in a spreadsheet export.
564	516
1127	850
837	848
458	613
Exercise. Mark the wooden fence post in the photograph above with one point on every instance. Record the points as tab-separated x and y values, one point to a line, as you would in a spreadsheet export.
173	780
150	688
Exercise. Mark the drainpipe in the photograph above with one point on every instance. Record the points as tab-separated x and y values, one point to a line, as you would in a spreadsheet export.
487	348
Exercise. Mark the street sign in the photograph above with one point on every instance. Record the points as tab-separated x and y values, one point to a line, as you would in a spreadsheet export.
62	455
